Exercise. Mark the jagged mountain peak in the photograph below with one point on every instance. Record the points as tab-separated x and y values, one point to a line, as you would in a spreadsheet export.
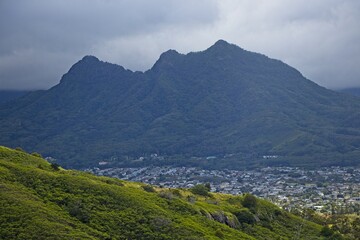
224	47
224	44
85	63
167	59
169	53
90	58
91	70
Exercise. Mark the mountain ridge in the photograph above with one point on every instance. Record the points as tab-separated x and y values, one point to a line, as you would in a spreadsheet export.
219	101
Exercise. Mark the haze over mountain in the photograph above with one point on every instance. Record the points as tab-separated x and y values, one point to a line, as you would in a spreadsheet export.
221	101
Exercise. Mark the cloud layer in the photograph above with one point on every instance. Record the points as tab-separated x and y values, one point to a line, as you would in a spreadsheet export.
41	39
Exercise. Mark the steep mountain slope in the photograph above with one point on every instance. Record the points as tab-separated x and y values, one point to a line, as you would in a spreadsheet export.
223	100
353	91
40	201
8	95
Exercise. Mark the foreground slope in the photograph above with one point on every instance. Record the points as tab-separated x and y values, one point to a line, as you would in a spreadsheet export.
40	201
221	101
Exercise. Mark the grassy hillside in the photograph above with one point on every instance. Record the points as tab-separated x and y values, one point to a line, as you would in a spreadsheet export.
41	201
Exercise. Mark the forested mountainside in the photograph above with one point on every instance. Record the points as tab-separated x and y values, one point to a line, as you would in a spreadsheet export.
352	91
224	101
9	95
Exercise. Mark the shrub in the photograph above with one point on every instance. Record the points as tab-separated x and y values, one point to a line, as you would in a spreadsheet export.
200	189
55	166
161	222
35	154
115	182
166	194
326	231
219	234
208	186
19	149
76	208
250	202
245	216
148	188
176	193
191	199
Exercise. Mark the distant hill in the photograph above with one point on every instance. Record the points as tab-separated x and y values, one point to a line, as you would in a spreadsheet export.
41	201
8	95
193	109
353	91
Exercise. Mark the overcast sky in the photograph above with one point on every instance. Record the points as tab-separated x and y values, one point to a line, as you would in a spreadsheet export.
41	39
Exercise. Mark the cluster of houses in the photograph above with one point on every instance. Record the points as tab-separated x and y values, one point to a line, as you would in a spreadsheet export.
332	190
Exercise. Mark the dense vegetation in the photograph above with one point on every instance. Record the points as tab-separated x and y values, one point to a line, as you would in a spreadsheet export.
41	201
353	91
221	101
9	95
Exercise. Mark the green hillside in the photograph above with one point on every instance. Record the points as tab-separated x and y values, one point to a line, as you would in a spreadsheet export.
42	201
220	101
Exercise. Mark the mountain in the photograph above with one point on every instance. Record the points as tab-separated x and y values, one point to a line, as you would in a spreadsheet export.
193	109
39	200
353	91
9	95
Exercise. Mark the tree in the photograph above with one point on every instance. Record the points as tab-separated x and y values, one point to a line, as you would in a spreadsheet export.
200	189
250	202
245	216
55	166
77	209
326	231
208	186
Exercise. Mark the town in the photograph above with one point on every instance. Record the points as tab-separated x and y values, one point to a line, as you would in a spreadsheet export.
326	190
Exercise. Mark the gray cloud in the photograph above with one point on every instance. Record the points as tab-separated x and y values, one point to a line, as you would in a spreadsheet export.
41	39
